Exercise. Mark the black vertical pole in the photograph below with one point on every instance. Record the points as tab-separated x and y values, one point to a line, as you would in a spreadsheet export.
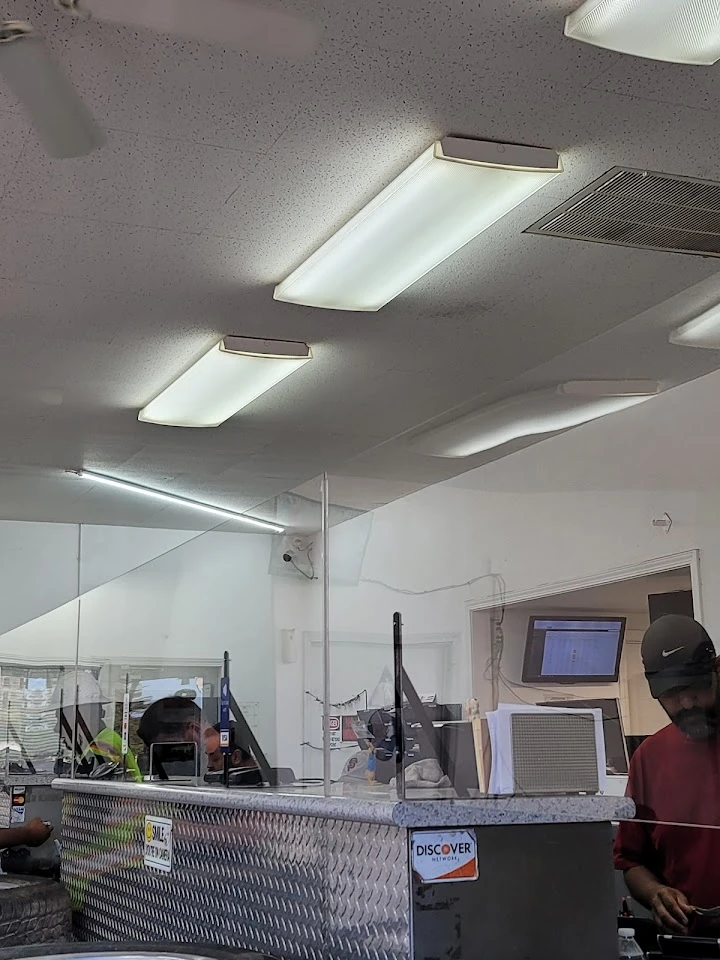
226	753
399	728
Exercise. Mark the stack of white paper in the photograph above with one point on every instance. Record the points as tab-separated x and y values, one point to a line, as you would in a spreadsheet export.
499	723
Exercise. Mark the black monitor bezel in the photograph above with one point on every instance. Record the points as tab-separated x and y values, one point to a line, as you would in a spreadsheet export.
528	676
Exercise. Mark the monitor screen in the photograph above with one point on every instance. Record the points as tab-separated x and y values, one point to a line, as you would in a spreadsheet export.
573	649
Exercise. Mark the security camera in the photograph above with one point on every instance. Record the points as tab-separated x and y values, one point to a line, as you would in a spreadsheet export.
287	557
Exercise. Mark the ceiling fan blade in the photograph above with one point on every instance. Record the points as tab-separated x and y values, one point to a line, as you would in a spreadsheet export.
54	107
231	23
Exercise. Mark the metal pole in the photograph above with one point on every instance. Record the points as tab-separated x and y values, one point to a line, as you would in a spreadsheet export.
78	625
399	728
225	719
495	651
327	770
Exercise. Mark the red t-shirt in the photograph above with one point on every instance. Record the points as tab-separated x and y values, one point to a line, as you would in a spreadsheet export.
674	780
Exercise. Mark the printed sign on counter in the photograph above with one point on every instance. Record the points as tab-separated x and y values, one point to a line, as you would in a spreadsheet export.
447	856
17	811
225	715
158	843
335	731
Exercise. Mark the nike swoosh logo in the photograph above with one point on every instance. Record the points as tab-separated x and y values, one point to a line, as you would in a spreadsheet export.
669	653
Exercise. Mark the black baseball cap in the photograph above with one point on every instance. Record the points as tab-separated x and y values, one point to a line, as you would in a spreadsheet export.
676	652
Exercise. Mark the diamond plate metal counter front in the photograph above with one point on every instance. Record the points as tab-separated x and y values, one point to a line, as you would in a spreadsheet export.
288	886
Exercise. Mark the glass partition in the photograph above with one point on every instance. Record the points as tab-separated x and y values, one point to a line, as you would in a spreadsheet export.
500	645
156	642
39	625
392	589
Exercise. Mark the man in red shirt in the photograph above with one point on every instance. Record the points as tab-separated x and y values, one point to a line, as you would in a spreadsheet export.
671	864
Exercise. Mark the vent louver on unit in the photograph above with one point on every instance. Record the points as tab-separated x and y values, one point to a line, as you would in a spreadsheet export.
640	208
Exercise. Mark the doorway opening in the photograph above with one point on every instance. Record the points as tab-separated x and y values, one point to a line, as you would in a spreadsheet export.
633	596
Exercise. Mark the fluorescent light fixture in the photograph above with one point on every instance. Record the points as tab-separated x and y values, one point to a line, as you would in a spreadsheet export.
174	500
443	200
703	331
227	378
258	27
679	31
533	414
53	106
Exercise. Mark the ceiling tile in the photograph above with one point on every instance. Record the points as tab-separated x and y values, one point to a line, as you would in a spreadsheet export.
140	82
134	179
14	128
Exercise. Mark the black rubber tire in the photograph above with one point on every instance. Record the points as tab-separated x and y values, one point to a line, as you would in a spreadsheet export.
94	949
33	910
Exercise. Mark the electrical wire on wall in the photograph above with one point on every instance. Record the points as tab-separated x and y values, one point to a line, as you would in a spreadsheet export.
343	746
343	703
497	577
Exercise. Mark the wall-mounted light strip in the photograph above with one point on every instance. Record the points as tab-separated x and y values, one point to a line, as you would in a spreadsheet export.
678	31
450	194
229	376
171	498
532	414
702	331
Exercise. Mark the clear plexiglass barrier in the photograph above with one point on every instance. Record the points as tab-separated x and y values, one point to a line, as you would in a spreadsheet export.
413	663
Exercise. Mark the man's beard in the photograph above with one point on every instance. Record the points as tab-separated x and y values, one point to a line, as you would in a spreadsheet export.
698	724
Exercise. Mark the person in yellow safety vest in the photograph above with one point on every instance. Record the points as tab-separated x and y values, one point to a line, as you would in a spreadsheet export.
79	699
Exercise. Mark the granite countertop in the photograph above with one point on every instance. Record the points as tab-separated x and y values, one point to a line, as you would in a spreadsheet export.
375	807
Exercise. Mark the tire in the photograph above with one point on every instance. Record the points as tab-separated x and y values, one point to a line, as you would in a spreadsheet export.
77	951
33	910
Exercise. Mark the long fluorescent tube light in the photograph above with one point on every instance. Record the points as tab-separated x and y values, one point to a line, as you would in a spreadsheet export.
532	414
679	31
450	194
175	500
702	331
227	378
63	123
252	26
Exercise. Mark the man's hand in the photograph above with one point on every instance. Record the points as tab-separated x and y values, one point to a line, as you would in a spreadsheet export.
671	910
36	833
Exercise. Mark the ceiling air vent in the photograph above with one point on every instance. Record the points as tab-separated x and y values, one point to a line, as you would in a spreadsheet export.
639	208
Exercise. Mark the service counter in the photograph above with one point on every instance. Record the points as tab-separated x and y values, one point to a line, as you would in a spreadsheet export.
294	874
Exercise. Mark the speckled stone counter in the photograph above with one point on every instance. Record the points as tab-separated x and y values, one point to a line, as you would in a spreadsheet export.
376	807
293	874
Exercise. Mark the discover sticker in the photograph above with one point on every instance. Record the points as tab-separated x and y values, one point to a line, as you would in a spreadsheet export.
446	857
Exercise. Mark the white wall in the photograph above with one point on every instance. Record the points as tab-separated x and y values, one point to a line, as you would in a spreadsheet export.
44	565
446	535
150	595
419	554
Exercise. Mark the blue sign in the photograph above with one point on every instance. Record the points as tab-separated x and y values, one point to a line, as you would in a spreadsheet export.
225	715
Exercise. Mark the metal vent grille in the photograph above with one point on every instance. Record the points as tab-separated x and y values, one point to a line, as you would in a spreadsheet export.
639	208
554	753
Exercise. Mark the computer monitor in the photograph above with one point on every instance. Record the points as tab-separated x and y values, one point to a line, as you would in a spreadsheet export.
174	761
616	754
573	649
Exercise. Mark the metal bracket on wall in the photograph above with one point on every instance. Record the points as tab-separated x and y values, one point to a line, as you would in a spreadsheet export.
664	522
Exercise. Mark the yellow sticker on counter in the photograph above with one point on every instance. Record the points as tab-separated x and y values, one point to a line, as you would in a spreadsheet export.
158	843
447	856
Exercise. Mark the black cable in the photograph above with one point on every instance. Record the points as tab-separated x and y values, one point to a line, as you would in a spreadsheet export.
300	570
345	746
343	703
